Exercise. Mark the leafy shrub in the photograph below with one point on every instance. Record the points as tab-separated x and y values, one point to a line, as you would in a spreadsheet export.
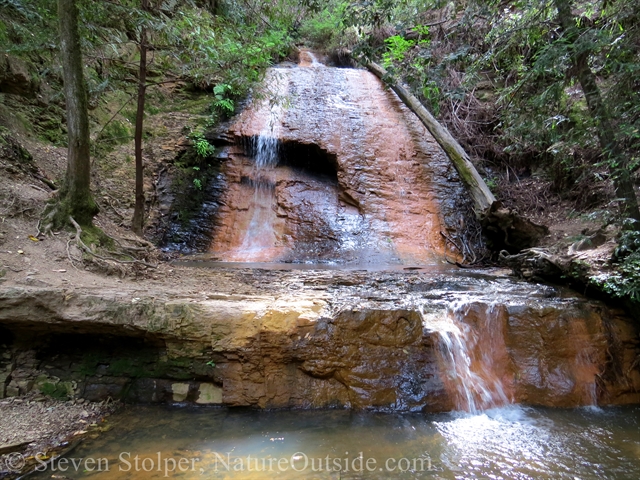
624	282
319	30
397	47
201	145
223	105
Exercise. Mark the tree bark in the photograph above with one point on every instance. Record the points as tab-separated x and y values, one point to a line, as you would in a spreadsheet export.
137	222
482	197
75	197
618	164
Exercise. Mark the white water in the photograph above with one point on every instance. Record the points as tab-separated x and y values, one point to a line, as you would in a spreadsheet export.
260	231
314	61
468	360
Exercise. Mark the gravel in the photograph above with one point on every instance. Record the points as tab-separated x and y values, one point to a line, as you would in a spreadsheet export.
41	423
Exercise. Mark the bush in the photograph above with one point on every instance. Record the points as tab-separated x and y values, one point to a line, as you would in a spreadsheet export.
624	281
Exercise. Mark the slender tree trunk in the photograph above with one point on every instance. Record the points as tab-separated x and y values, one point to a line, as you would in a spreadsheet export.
75	198
137	223
619	167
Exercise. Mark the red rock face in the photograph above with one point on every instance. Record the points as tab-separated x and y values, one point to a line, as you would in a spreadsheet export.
362	342
359	179
529	354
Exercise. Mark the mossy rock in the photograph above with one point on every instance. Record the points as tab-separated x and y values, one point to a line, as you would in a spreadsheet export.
51	129
15	153
16	76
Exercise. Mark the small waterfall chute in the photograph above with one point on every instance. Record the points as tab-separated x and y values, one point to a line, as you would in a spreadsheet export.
470	360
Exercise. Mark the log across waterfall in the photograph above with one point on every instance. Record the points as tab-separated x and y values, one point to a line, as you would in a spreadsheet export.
357	181
482	196
505	228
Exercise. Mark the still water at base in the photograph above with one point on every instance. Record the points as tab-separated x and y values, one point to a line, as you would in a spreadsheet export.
506	443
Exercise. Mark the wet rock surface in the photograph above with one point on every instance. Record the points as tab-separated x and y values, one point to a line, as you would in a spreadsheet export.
316	339
360	180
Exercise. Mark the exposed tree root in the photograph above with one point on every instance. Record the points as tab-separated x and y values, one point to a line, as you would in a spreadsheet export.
90	252
469	259
536	263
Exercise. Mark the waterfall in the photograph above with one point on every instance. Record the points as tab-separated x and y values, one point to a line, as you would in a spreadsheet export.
357	187
472	359
260	235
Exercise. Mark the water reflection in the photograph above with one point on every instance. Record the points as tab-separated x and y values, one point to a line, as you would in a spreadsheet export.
507	443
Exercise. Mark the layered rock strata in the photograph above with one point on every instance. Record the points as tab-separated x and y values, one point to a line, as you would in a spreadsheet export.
363	344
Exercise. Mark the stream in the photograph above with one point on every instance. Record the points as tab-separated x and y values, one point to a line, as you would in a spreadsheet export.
507	443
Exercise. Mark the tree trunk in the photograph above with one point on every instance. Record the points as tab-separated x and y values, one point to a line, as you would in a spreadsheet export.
480	193
75	196
137	223
618	164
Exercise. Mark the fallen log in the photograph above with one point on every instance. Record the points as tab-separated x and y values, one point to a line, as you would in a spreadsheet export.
537	264
504	228
480	193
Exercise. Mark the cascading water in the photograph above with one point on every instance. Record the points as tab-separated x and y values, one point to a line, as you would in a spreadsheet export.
355	181
484	364
469	361
260	233
260	236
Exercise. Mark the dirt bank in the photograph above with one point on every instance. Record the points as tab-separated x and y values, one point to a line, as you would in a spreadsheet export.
36	425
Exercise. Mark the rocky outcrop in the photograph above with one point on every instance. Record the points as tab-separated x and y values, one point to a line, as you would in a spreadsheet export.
15	77
339	347
359	179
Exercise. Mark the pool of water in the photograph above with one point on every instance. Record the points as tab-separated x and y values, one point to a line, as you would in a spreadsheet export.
508	443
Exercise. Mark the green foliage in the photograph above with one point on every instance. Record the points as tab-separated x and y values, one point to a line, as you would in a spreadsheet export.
628	245
397	47
431	93
28	28
227	52
373	13
223	105
492	184
323	29
543	109
624	281
201	145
